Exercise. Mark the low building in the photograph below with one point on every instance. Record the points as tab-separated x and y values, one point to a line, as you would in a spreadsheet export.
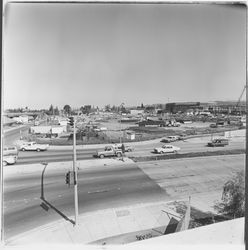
217	107
39	130
136	111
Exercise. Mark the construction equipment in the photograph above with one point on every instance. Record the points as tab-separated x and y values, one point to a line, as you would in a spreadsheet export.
238	102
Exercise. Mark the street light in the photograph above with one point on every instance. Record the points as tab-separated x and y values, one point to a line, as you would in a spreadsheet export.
42	179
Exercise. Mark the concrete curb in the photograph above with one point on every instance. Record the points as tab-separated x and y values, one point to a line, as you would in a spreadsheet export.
82	164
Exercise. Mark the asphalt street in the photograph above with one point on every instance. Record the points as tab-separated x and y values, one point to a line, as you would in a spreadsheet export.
101	188
113	186
188	146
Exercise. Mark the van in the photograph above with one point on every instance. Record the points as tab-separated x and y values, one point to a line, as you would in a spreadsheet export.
218	142
10	150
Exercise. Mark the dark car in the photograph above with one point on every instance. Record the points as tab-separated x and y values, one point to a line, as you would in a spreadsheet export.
213	125
218	143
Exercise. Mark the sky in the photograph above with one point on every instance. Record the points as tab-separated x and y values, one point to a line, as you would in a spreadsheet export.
101	54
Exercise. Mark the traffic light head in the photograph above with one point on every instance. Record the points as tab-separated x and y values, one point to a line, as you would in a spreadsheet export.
71	121
67	178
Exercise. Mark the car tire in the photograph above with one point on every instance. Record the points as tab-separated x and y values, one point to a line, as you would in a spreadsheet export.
101	156
118	154
161	152
5	163
38	149
23	149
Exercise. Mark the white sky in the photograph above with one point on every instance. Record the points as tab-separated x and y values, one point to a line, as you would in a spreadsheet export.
102	54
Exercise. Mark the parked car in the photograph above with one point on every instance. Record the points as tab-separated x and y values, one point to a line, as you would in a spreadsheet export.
218	143
169	139
9	159
108	152
166	149
10	150
33	146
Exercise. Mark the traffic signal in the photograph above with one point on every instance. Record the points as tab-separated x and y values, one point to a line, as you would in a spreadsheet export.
71	121
67	178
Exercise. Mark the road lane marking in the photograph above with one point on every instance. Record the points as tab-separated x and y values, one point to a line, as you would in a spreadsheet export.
103	191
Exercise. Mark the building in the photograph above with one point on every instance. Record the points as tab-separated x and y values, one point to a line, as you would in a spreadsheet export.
218	107
43	130
136	111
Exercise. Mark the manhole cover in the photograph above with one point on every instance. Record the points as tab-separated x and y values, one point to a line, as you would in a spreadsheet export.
122	213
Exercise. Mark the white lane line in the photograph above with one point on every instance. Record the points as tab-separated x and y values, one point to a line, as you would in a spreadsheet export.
103	191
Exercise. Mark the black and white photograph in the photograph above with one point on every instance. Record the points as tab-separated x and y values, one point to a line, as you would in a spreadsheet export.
123	123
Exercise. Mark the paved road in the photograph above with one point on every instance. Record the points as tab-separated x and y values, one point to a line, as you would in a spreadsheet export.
112	186
190	145
103	187
13	134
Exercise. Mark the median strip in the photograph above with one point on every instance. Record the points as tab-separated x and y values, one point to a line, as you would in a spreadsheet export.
187	155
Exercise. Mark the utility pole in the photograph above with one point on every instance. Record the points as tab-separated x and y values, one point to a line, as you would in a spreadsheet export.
72	123
75	173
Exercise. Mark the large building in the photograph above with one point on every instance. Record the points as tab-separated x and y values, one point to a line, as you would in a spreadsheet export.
224	107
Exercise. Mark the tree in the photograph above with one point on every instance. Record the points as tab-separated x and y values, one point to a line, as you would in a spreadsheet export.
51	110
67	109
114	108
56	111
233	197
107	108
86	109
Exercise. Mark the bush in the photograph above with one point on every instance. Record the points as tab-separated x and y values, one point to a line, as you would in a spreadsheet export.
233	197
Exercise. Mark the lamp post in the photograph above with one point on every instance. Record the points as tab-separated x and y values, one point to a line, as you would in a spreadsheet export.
42	179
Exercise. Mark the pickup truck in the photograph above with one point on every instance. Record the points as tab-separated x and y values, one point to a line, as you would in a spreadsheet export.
218	143
108	152
33	146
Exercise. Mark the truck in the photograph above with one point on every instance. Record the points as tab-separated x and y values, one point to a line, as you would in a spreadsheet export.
109	151
218	143
33	146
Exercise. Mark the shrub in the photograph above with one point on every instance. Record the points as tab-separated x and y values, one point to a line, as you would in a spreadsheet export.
233	197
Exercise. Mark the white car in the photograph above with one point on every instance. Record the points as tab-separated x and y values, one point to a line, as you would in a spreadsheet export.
9	159
33	146
128	148
166	149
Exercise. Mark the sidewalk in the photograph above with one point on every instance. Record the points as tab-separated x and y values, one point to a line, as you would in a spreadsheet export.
99	225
